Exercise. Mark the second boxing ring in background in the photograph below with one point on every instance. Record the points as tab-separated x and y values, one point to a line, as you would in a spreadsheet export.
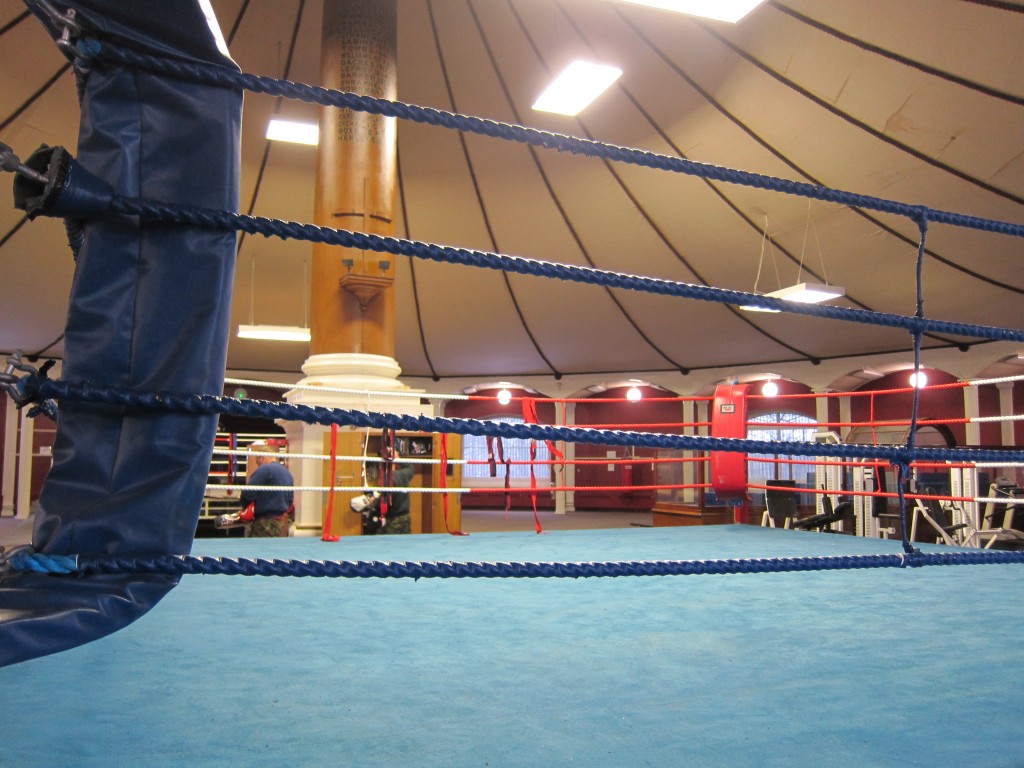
971	497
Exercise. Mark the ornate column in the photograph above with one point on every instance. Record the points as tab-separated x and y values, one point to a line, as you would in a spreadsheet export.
565	501
352	293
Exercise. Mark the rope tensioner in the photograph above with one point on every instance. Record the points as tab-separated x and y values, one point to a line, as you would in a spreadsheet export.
67	23
11	163
20	389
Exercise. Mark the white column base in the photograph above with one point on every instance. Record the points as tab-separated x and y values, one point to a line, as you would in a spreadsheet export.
375	377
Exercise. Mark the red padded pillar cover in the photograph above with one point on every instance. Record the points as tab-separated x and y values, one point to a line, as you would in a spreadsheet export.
729	468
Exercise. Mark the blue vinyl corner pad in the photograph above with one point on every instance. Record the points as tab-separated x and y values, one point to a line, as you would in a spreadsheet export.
149	309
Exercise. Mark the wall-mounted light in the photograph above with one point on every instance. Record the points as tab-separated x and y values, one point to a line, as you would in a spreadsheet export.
633	394
274	332
919	379
293	132
576	87
504	397
769	389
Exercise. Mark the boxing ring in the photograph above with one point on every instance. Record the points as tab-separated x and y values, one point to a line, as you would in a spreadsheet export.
731	645
873	667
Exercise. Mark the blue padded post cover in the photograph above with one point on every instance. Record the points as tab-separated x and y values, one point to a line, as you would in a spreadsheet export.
149	309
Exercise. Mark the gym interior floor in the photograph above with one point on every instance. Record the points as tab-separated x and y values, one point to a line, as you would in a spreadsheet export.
857	668
13	531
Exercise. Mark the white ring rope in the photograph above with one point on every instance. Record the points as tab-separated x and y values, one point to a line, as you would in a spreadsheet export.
342	390
359	489
436	396
976	419
323	457
340	489
1000	380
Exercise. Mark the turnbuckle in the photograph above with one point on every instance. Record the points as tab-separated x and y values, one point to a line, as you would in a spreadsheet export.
15	387
70	29
12	163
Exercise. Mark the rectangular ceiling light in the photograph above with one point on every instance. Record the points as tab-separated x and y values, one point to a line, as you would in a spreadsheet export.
808	293
802	293
720	10
273	332
578	85
296	133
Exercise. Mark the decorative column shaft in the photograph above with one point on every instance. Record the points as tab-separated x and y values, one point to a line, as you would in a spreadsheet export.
352	295
352	298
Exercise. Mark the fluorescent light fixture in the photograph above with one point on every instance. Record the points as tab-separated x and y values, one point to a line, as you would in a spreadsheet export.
720	10
808	293
273	332
578	85
296	133
752	308
870	373
802	293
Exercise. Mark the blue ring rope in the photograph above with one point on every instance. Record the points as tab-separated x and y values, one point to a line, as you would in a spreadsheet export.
223	220
180	565
215	404
258	225
94	50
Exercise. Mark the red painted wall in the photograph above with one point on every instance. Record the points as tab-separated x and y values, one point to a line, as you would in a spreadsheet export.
645	415
937	404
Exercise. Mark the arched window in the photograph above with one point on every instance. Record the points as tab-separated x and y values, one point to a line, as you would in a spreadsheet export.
474	448
788	427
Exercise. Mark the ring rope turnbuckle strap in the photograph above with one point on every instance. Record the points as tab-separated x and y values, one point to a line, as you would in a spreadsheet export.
25	559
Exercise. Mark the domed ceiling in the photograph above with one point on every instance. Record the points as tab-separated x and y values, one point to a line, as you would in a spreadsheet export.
920	101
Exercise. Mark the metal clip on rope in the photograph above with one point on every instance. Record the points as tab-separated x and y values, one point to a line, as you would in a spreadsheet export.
17	386
24	559
12	163
7	554
70	29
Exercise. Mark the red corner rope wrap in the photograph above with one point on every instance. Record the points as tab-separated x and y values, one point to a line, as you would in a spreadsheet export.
387	472
327	536
533	486
491	441
232	459
443	483
530	417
